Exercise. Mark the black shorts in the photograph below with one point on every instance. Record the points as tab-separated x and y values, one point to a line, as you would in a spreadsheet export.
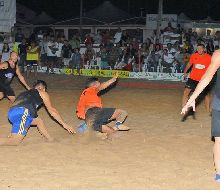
192	84
31	63
215	129
51	58
96	117
7	90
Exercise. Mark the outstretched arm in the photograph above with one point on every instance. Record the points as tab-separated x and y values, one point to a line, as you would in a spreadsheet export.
21	78
54	113
106	84
207	77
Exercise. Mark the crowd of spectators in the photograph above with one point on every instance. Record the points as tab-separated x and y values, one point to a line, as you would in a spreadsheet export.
168	53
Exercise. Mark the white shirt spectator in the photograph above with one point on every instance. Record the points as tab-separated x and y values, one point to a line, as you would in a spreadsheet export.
59	51
54	46
117	37
168	58
43	47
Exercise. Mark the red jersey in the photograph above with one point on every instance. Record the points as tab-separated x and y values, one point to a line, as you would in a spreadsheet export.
200	64
88	98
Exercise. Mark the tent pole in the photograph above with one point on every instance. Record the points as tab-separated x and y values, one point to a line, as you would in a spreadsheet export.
80	18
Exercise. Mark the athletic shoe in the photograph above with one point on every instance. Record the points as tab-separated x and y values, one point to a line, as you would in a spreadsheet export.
121	128
217	177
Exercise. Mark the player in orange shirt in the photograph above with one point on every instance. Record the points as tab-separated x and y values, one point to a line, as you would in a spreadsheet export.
199	62
91	110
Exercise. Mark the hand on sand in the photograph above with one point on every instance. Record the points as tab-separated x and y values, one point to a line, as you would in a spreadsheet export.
187	106
71	130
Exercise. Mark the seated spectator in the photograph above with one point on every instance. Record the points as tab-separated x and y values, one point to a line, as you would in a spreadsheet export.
157	43
5	54
66	53
188	47
89	54
167	61
75	62
131	50
122	60
179	59
138	61
114	53
169	28
170	49
179	29
104	58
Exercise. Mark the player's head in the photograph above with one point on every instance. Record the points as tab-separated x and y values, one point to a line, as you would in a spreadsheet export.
13	57
93	81
40	85
200	49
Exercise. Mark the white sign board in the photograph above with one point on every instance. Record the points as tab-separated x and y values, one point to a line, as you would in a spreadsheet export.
7	15
151	21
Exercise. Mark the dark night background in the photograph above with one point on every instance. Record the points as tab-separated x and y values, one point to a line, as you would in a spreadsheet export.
62	9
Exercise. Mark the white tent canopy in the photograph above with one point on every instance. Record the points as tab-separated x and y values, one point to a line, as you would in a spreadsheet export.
7	15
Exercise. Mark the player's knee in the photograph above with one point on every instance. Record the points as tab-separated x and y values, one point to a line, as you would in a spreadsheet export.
122	112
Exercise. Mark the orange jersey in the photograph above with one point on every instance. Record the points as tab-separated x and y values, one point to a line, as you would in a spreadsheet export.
200	64
88	98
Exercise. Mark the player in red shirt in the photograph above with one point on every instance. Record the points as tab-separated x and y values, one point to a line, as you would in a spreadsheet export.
90	108
199	62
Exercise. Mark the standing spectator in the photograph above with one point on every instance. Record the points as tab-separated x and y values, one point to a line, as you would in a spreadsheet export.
22	52
75	42
88	40
117	36
32	58
66	53
210	47
5	54
43	52
76	60
124	38
19	36
52	48
106	37
59	52
104	58
135	44
138	35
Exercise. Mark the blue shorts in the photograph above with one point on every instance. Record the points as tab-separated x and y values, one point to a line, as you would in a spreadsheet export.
20	119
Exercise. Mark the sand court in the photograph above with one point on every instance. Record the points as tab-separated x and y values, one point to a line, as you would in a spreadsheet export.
159	152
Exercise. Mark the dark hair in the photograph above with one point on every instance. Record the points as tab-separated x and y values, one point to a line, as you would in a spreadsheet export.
90	81
40	82
201	45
